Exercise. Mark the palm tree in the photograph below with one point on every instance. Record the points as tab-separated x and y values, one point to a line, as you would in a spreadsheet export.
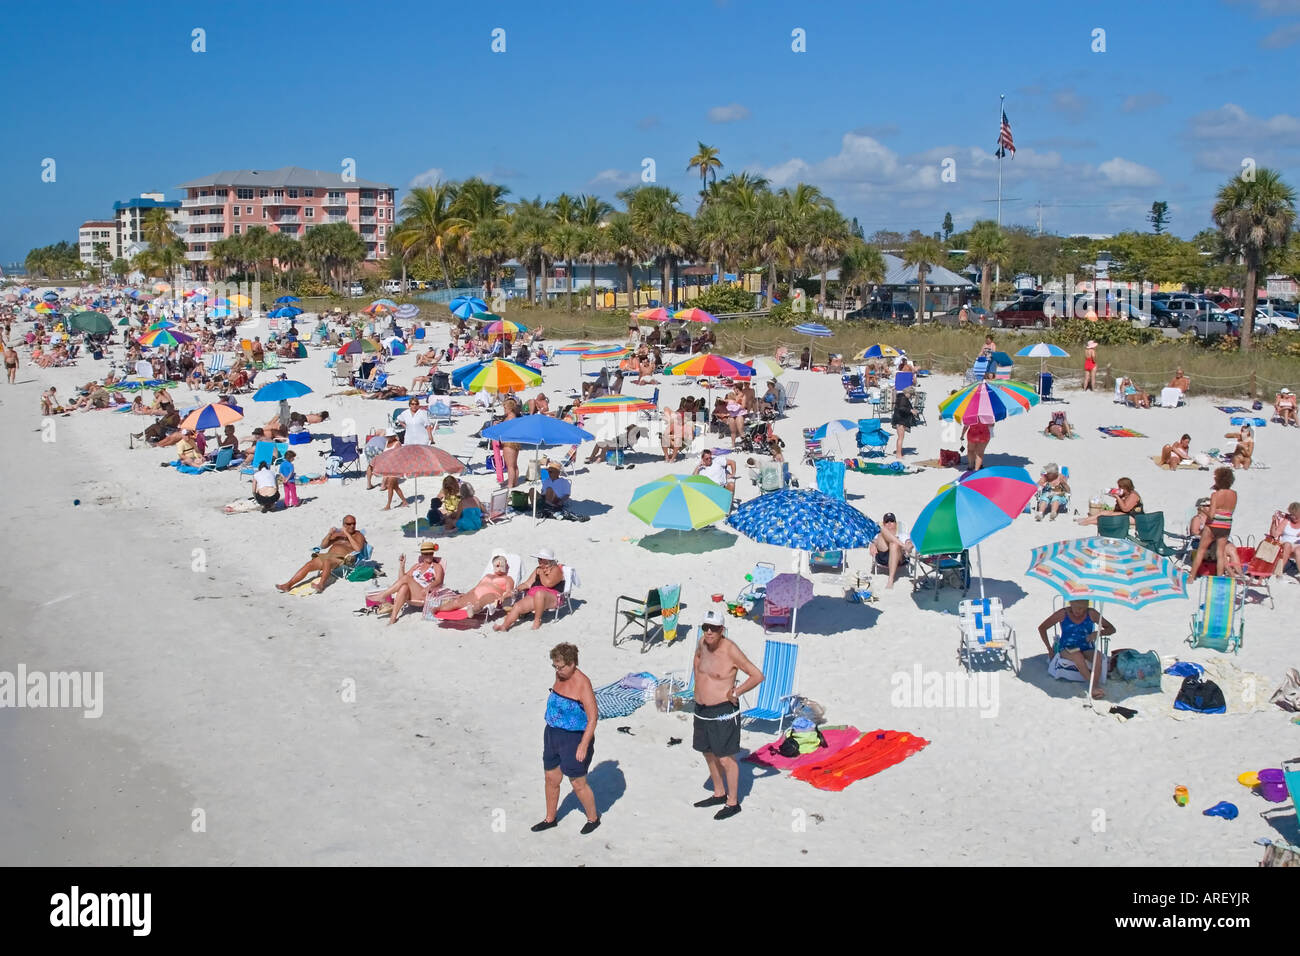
592	213
156	227
925	253
861	265
986	247
335	249
567	243
828	239
662	228
120	268
284	251
489	246
707	162
719	234
623	245
767	224
430	224
530	233
485	240
1255	219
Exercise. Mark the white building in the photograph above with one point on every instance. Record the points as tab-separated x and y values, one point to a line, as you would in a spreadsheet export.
92	232
130	215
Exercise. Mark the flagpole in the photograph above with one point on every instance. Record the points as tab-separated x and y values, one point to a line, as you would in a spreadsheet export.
1002	99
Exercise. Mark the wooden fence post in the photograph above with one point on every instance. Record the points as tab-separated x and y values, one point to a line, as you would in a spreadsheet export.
1252	385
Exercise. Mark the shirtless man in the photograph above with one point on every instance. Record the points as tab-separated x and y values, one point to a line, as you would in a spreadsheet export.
11	363
717	660
334	547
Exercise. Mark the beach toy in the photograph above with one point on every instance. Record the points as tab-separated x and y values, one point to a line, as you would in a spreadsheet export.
1272	785
1180	796
76	501
718	598
1222	809
1248	779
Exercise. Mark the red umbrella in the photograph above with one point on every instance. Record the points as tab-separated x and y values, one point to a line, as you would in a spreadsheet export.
416	461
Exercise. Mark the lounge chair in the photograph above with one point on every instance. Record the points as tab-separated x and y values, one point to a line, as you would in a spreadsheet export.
218	362
1258	571
265	451
979	368
498	508
565	600
826	561
342	372
756	582
222	460
1170	397
644	615
513	565
812	447
985	634
941	571
918	407
1219	620
780	659
791	391
356	559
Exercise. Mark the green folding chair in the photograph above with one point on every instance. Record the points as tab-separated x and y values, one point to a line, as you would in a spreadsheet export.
1113	526
1149	531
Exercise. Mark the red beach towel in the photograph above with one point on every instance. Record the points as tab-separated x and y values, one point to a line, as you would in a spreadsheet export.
874	752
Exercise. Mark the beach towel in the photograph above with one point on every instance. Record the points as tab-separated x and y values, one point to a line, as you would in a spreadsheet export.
1182	466
1119	431
769	755
1231	409
304	589
879	468
1248	420
616	700
873	752
243	506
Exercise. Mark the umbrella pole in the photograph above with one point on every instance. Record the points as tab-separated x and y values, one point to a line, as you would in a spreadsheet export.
979	561
1096	652
794	613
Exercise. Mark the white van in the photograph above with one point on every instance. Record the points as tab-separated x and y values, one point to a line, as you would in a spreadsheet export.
393	286
356	290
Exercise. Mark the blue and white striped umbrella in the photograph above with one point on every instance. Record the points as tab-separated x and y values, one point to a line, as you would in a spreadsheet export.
814	329
1043	350
839	424
407	311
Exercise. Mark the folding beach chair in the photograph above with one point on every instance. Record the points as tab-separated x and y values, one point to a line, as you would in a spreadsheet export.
791	391
342	373
265	451
941	571
756	582
985	634
463	620
343	452
774	617
826	561
222	461
644	615
1061	668
979	368
374	384
1259	570
885	407
780	659
498	508
1114	526
812	447
854	392
918	407
218	362
1170	397
356	559
1219	620
1149	531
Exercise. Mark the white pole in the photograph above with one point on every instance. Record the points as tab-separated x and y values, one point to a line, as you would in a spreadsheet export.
979	558
1001	109
794	612
1096	651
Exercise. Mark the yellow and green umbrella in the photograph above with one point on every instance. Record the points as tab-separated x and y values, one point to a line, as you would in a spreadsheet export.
988	402
683	502
501	375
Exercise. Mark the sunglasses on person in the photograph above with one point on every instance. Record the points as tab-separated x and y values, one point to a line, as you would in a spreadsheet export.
711	627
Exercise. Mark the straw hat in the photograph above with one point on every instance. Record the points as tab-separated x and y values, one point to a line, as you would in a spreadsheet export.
1092	343
428	547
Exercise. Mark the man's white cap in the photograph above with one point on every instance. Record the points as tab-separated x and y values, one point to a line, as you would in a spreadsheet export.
1285	390
714	618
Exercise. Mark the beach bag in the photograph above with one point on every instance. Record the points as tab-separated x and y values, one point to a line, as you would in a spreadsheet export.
1265	554
1137	668
798	743
1288	695
949	458
1200	696
363	573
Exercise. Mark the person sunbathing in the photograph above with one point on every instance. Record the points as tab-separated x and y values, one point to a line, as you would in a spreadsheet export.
428	357
543	589
1180	381
1059	427
1053	495
1173	455
1284	406
334	548
1127	502
1289	539
1244	453
413	586
1134	396
491	589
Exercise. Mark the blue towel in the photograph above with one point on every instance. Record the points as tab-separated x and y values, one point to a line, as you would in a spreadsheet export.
1185	669
615	700
1247	420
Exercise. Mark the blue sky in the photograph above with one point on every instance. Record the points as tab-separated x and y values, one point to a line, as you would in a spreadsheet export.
585	91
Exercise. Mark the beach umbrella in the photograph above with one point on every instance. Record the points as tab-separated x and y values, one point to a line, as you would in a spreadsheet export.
281	391
538	431
988	402
164	337
464	306
788	590
397	345
967	511
1043	351
283	298
614	403
161	324
879	350
45	307
485	317
25	290
822	432
1104	570
659	314
682	502
386	303
96	323
50	296
211	416
806	520
284	313
816	330
504	327
220	312
708	363
160	287
694	315
1002	360
577	348
357	346
502	375
764	365
407	311
241	301
415	461
376	308
604	352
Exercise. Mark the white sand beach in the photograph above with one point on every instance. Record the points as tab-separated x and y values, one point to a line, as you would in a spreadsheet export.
297	733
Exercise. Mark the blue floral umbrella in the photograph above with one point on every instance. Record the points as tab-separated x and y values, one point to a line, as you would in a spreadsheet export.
464	306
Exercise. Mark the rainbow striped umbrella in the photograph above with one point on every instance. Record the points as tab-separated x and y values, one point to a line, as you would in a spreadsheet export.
693	315
502	375
504	327
161	324
386	303
707	363
988	402
377	308
45	307
357	346
164	337
655	315
577	348
615	403
211	416
605	352
879	350
682	502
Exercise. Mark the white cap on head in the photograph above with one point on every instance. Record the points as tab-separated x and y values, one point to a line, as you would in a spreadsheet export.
714	618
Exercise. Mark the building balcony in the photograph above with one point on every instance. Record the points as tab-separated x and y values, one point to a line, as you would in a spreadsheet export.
366	201
191	201
336	218
295	218
205	218
368	219
196	255
336	200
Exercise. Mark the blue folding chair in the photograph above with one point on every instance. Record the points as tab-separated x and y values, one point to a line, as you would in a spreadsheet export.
343	452
780	659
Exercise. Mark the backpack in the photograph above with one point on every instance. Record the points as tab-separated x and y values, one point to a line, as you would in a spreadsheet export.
949	459
1200	696
796	744
1137	668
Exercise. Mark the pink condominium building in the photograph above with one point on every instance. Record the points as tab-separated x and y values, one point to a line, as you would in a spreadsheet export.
289	200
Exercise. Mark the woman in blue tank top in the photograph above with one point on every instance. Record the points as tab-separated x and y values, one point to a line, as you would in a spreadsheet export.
1078	625
569	738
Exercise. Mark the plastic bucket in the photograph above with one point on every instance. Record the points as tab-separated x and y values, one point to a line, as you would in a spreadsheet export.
1272	785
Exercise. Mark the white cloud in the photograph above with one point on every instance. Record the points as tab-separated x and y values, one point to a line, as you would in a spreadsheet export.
731	113
1125	172
1282	37
614	177
1138	102
1230	121
426	178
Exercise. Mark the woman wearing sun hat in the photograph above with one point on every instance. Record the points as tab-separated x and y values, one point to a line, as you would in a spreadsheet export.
1090	366
413	586
1285	406
542	589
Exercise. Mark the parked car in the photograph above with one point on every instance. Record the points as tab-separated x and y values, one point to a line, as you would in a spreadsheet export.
975	314
899	312
1278	305
393	286
356	290
1272	321
1209	322
1029	311
1170	312
414	284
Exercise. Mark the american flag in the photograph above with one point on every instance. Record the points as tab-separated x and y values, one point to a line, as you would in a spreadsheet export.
1005	142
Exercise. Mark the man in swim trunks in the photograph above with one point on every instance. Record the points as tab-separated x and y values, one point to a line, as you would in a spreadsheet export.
717	711
337	544
569	740
11	364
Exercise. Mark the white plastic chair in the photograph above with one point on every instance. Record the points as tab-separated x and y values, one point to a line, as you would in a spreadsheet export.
985	633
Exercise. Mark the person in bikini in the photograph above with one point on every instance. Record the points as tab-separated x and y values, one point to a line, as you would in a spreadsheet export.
1223	502
491	589
334	548
569	740
1173	455
1244	453
1284	404
717	711
1078	625
543	588
413	586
